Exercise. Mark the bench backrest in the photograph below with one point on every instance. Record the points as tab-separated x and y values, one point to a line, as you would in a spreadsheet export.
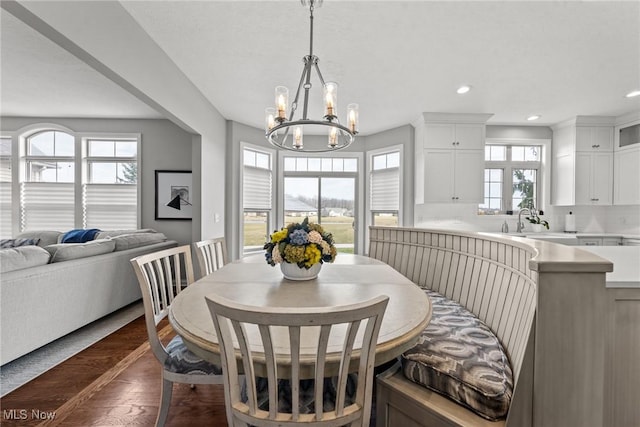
487	275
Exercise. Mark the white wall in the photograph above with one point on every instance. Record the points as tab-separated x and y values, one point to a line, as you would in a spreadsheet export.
164	146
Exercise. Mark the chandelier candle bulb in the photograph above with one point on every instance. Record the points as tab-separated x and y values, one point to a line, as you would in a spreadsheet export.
270	121
352	117
297	135
333	137
331	98
282	99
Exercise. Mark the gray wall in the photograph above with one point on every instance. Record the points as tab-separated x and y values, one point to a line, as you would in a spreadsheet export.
164	146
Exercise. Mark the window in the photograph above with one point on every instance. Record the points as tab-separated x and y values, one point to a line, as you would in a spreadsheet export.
110	193
5	189
510	178
257	187
47	194
384	185
54	195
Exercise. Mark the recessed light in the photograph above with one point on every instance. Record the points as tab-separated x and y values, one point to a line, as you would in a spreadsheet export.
633	93
463	89
532	118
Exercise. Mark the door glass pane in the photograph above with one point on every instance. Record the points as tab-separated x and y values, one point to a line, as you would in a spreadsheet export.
300	199
337	203
255	231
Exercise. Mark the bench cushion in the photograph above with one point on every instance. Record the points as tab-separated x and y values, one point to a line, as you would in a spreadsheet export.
459	357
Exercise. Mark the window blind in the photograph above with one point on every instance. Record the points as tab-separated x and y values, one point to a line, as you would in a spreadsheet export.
256	188
47	206
110	206
385	190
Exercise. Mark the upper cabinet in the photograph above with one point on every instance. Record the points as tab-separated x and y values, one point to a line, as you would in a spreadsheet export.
583	161
449	154
626	165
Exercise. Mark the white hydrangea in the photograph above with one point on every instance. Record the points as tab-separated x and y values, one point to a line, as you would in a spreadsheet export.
315	237
326	249
275	254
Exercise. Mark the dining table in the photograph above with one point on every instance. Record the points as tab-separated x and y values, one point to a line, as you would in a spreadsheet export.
348	280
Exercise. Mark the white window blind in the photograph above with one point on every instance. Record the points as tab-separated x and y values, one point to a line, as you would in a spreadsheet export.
256	188
110	206
47	206
385	190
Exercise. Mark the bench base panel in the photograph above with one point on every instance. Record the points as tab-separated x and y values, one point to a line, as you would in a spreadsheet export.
400	402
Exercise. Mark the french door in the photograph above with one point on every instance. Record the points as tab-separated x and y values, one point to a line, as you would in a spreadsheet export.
326	200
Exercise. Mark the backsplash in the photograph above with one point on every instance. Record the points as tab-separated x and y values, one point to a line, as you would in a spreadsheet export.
589	219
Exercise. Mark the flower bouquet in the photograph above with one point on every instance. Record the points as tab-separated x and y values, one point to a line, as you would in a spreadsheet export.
304	244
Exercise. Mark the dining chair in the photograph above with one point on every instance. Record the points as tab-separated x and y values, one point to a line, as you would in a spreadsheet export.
212	254
162	275
283	333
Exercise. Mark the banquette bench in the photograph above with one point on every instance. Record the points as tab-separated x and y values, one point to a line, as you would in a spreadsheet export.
495	280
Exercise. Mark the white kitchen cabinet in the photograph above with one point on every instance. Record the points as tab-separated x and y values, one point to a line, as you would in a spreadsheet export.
453	176
611	241
626	188
466	136
450	158
594	138
583	162
594	173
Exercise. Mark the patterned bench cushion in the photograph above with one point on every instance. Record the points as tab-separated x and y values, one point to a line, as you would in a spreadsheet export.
459	357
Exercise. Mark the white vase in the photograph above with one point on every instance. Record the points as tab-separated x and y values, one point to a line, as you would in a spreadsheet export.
537	228
293	272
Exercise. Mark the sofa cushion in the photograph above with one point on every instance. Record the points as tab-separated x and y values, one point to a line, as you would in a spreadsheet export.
46	237
135	240
14	243
458	356
68	251
22	257
79	235
113	233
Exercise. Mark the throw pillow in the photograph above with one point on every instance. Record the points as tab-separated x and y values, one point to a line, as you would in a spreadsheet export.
68	251
46	237
135	240
22	257
79	235
14	243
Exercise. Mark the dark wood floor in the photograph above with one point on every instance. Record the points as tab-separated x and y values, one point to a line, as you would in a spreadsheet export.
91	389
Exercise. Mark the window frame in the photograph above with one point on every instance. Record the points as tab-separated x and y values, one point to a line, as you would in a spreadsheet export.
543	181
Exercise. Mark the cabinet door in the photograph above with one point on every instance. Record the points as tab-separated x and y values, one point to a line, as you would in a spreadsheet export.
584	174
437	135
598	138
611	241
470	136
468	176
438	176
602	178
627	177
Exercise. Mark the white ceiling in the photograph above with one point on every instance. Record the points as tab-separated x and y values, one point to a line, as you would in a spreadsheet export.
395	59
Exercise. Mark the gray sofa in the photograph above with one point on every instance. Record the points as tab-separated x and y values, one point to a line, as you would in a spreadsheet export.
74	285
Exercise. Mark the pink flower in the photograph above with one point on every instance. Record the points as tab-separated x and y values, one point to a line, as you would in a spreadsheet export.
315	237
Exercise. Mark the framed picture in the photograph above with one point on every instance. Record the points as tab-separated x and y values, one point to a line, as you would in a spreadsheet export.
174	195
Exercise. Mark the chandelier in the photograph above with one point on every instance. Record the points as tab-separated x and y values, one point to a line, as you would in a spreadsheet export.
284	132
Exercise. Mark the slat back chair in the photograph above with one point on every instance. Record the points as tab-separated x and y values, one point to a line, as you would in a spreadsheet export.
212	254
162	275
308	327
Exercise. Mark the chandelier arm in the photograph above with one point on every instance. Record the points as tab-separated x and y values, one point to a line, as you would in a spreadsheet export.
307	85
304	76
319	73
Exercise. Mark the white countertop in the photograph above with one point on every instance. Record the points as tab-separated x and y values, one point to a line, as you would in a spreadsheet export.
626	264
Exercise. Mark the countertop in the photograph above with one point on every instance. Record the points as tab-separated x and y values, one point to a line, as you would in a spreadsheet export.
626	264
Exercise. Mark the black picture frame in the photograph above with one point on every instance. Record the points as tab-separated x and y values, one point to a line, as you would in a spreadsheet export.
174	198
